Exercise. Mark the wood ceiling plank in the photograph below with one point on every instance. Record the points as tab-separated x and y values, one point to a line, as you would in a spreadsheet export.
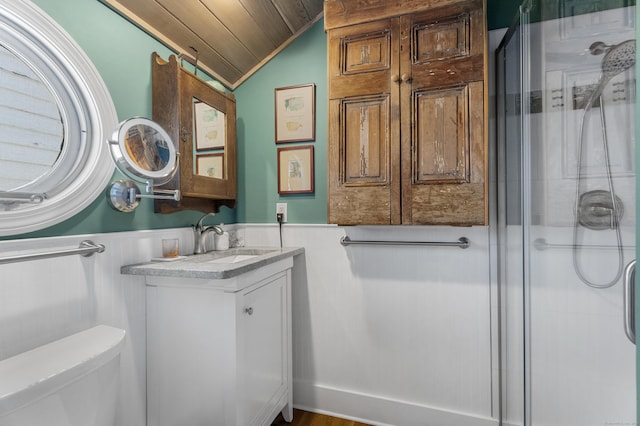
205	26
154	20
313	7
242	26
293	13
234	38
269	19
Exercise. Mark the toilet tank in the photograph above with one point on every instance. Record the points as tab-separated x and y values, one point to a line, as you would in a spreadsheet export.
73	381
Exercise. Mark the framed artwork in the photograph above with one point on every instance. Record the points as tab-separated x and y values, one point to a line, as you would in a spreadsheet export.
209	126
295	113
210	165
295	170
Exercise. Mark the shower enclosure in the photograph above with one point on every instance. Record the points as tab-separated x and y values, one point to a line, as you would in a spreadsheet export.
565	98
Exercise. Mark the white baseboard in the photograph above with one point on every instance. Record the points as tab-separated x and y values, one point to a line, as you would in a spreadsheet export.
376	410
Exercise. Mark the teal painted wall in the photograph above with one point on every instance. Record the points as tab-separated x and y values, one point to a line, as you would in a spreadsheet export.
303	62
122	55
500	13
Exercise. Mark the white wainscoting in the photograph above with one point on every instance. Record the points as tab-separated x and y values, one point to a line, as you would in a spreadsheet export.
388	335
44	300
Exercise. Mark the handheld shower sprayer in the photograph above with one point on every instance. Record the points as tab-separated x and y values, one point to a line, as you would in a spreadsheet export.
617	59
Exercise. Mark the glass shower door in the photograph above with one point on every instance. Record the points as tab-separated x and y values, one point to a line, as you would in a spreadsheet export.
566	105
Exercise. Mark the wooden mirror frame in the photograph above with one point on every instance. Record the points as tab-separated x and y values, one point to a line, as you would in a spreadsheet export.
173	91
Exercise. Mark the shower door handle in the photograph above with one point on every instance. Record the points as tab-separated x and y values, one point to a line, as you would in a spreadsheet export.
628	300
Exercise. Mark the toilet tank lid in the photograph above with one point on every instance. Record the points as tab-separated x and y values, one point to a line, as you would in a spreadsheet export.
33	374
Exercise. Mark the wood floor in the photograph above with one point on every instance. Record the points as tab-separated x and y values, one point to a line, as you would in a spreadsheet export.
305	418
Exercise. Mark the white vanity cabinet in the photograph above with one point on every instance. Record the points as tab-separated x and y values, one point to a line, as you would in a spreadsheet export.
219	350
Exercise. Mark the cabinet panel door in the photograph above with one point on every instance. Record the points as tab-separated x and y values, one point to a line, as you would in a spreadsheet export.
263	349
444	46
364	152
362	188
362	59
443	123
445	182
441	139
364	143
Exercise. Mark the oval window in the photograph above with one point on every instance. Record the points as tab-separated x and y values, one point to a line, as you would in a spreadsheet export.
55	114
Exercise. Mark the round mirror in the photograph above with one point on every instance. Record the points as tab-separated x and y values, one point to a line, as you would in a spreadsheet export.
143	150
56	112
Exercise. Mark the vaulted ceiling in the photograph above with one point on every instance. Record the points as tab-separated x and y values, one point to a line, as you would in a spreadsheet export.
230	38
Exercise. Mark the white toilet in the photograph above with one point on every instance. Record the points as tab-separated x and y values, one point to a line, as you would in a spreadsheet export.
70	382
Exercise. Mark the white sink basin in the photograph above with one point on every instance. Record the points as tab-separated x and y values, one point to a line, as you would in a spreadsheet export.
233	258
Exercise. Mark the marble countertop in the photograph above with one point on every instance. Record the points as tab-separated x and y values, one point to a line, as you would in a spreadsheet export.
221	264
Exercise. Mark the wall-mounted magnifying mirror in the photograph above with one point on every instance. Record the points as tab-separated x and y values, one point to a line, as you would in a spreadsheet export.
144	152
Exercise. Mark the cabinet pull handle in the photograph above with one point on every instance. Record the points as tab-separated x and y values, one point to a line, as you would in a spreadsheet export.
248	311
406	78
395	78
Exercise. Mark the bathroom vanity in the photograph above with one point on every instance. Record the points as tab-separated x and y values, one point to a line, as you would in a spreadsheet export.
219	337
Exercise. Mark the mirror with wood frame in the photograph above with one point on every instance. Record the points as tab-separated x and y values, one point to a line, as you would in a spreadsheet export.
201	121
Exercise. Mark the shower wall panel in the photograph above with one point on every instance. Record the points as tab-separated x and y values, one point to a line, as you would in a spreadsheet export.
563	341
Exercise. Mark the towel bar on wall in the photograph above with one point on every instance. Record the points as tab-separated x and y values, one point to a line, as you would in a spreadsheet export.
542	244
463	243
86	249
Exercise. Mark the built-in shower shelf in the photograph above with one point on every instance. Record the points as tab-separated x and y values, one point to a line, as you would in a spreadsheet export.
616	93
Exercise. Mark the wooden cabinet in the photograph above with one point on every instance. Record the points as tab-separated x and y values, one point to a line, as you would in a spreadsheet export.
407	112
216	356
201	121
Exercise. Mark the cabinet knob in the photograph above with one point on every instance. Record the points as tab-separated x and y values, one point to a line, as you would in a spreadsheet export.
406	78
184	134
395	78
248	311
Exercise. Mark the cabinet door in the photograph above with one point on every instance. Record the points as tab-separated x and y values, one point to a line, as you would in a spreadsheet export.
364	145
443	123
263	348
202	124
407	123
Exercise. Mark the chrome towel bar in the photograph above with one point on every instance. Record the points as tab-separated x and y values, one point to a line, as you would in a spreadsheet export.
542	244
86	249
463	243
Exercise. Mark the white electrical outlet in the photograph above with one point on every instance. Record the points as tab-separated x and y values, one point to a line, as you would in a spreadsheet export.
281	208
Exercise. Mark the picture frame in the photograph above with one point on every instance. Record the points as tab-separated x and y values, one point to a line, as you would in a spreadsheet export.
295	113
295	170
209	127
210	165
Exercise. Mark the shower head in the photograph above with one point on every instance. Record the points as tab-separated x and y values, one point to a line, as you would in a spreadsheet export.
618	58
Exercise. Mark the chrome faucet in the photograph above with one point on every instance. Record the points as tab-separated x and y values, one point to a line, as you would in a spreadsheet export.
200	233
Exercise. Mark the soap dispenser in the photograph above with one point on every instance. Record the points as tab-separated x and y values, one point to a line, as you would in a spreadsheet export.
222	240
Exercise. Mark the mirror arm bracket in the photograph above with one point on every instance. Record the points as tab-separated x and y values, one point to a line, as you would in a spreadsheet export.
172	194
123	195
